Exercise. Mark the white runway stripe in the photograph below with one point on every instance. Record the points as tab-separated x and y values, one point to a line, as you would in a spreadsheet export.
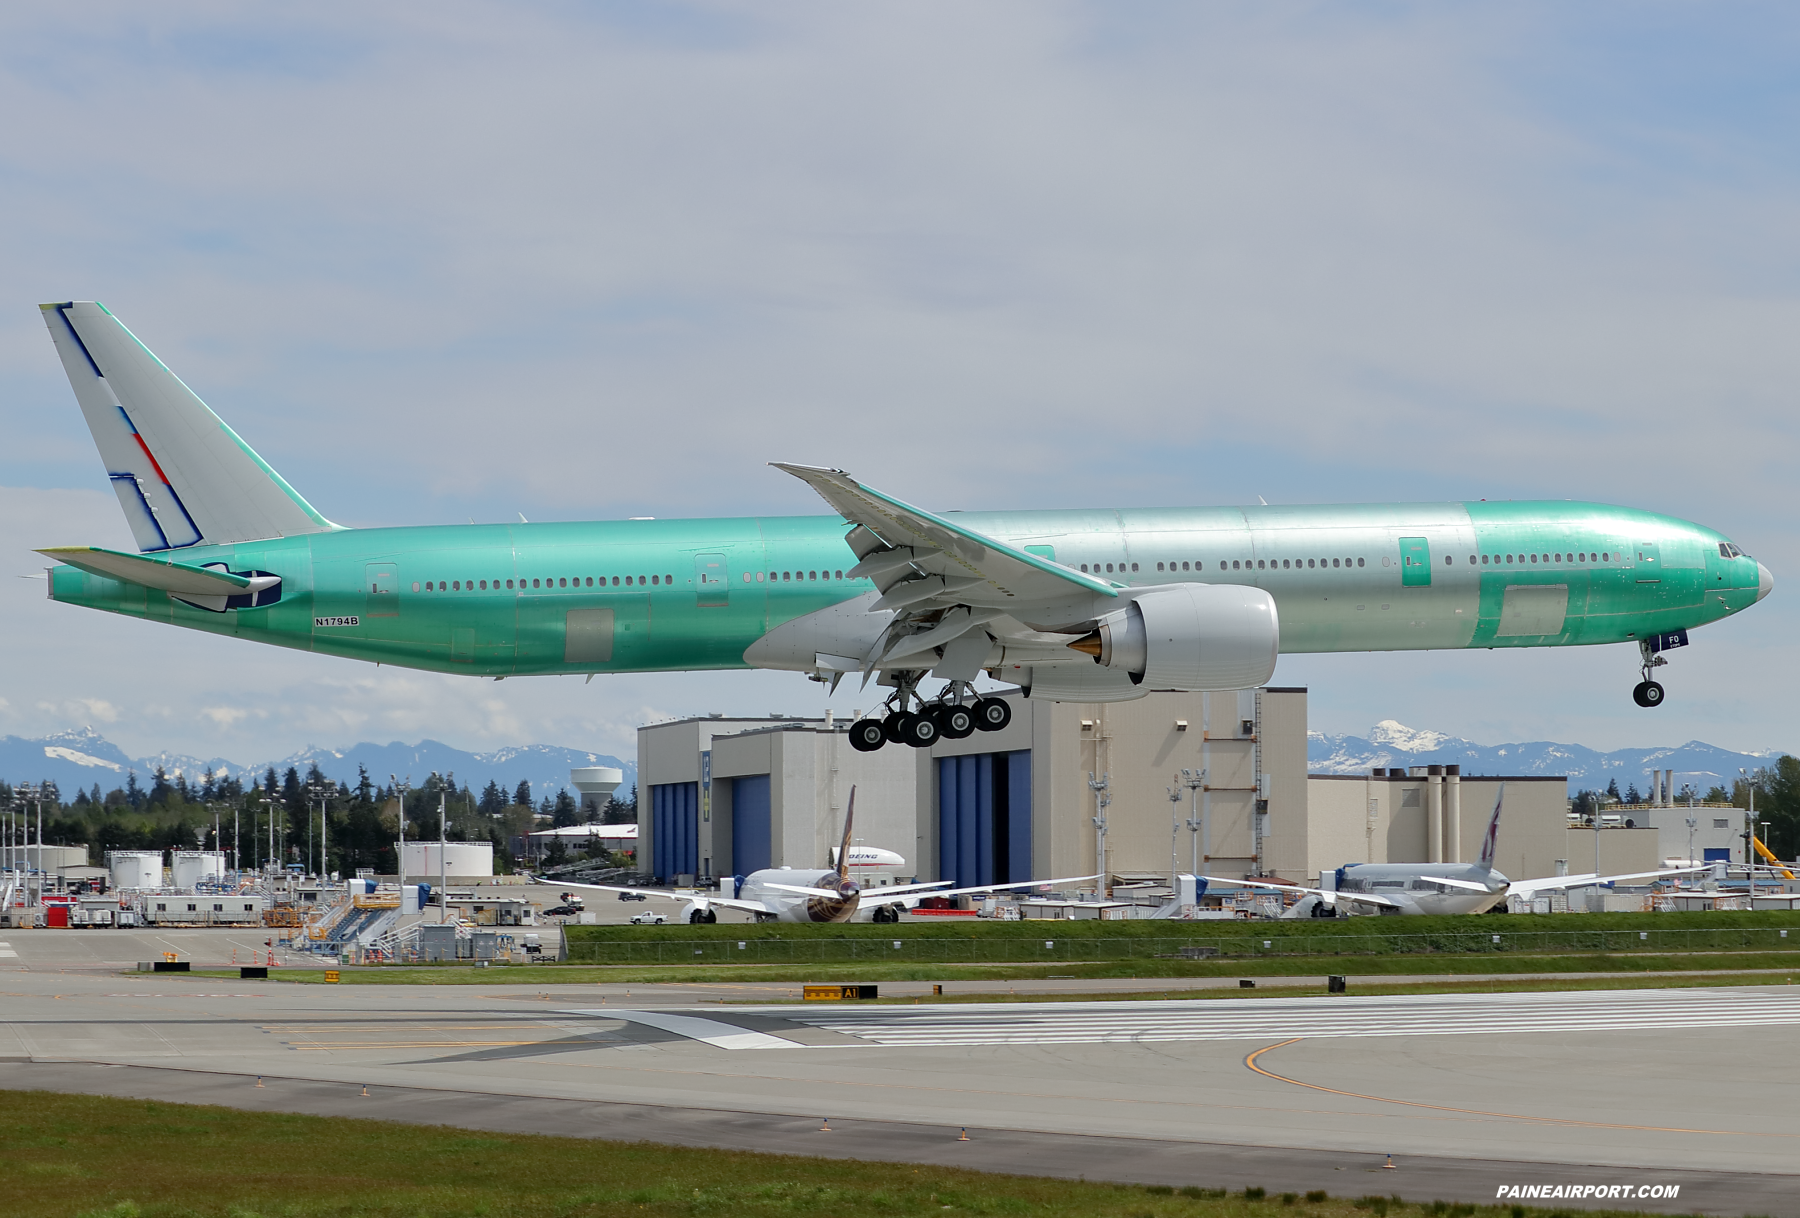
1260	1019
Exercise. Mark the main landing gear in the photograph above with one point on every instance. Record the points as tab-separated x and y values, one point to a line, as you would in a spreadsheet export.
955	715
1648	692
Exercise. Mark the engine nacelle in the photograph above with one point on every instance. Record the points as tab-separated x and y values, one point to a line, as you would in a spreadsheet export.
1190	637
1079	683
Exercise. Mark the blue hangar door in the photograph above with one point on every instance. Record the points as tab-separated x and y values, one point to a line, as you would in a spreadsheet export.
751	825
675	829
984	818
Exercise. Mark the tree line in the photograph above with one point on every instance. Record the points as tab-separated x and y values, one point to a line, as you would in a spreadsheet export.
278	817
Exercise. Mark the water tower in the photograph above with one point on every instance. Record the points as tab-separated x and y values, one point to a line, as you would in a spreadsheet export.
596	783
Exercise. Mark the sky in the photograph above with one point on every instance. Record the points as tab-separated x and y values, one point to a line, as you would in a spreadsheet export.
583	261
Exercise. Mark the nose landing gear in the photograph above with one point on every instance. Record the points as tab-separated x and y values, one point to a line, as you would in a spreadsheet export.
1647	692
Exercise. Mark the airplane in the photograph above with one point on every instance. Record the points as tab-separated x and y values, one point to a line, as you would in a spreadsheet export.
787	894
1433	888
870	859
1088	605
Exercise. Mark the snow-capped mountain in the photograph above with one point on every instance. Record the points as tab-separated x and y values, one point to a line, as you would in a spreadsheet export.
1391	744
82	758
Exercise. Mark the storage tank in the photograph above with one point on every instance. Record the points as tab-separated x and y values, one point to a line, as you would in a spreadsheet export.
463	860
192	868
135	868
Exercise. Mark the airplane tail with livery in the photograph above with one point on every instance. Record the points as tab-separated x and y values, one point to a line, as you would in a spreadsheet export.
183	477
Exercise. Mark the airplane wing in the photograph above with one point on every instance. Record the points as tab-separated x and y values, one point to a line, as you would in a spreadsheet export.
914	892
929	562
1328	895
697	898
1530	888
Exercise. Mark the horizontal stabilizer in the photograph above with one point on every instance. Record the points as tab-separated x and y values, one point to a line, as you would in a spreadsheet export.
180	579
182	476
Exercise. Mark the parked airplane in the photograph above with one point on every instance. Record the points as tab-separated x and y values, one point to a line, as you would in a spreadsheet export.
1434	888
785	894
1088	606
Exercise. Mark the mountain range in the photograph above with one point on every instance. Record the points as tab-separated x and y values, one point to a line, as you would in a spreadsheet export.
1391	744
82	757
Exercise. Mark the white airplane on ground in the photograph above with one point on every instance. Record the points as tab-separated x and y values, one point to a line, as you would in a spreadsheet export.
784	894
1433	888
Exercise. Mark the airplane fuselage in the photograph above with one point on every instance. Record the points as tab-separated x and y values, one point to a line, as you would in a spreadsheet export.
1411	886
663	595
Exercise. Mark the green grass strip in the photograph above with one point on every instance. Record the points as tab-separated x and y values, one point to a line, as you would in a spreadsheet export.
77	1156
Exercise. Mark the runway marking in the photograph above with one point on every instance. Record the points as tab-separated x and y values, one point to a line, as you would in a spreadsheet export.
1262	1019
708	1031
1250	1061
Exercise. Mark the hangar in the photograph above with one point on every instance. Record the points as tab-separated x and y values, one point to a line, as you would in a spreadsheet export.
1214	782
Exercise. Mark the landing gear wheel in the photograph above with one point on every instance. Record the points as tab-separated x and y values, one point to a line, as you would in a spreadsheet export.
955	722
992	714
894	727
867	735
696	917
1650	693
920	731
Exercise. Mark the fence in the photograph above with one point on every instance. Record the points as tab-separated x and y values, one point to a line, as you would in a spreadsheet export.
1052	948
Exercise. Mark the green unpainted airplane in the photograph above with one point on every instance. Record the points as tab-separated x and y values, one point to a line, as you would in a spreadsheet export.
1094	605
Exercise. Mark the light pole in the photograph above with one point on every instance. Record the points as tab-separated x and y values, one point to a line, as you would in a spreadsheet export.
400	789
1750	838
319	790
270	803
1174	829
1195	782
1102	800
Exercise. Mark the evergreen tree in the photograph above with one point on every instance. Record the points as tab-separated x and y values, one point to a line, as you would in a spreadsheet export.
94	796
522	796
161	793
364	788
134	794
493	799
1612	790
1632	796
269	784
562	813
207	792
623	811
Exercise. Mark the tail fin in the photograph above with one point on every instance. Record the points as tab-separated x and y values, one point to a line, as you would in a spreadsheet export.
1493	832
183	477
843	858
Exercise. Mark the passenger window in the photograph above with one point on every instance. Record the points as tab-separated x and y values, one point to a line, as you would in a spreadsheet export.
457	585
1309	562
1084	568
1446	560
1359	562
1334	562
1259	564
484	585
812	575
1234	564
1159	566
1471	561
837	575
1184	566
1134	567
1534	558
1109	569
615	581
787	576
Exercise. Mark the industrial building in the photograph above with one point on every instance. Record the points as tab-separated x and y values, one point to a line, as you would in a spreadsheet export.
1215	783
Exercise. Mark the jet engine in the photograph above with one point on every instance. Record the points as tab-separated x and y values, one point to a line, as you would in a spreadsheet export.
1190	637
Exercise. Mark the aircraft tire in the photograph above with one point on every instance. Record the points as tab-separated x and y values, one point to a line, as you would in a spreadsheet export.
1653	693
894	727
920	731
992	714
954	722
867	735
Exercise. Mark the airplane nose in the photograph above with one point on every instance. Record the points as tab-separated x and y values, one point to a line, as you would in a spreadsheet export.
1765	583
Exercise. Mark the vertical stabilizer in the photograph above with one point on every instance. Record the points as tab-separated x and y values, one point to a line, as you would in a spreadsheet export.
1493	832
183	477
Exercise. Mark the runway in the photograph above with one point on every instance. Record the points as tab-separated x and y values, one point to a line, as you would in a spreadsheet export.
1469	1092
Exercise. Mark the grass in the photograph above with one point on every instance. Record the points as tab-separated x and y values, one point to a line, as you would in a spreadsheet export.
1150	942
76	1156
1267	966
